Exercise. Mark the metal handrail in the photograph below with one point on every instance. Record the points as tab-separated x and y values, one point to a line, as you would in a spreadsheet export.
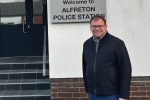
44	52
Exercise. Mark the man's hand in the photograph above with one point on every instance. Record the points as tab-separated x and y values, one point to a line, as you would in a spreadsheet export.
122	99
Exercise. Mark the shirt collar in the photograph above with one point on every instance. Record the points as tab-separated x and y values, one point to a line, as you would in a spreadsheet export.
100	38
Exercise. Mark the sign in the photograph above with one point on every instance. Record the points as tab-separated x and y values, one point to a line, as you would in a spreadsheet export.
76	10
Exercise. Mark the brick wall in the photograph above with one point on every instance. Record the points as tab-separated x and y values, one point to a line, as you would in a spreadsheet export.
73	89
140	88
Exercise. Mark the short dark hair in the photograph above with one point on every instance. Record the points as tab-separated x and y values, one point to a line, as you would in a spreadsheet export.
97	17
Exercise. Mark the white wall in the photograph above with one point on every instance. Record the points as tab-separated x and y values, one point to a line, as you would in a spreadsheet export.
127	19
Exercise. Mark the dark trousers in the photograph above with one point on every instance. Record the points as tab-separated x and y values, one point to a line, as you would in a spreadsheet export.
109	97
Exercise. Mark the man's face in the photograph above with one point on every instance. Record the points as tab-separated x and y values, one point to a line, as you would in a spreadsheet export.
98	28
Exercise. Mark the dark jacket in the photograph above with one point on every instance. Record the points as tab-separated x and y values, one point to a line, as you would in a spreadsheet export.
108	71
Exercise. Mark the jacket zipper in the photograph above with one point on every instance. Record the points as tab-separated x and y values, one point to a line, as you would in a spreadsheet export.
94	72
95	65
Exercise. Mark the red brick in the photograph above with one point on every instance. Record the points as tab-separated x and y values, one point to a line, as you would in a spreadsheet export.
53	85
130	93
64	85
72	80
137	83
64	94
148	93
78	85
58	89
133	88
53	94
72	98
80	95
147	83
139	93
82	89
144	88
145	78
134	98
57	80
144	98
57	98
84	99
72	89
81	79
134	79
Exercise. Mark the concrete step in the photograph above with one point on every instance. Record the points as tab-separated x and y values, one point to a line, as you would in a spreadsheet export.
27	98
25	93
22	66
30	84
23	60
21	78
25	81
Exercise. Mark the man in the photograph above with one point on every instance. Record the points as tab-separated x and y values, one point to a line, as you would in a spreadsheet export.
106	64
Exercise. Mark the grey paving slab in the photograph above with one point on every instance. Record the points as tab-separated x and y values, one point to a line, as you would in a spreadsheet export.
32	60
32	71
21	60
41	59
4	71
25	81
8	60
3	81
15	71
2	59
43	92
13	81
39	71
21	71
17	66
42	81
1	93
35	81
11	93
28	81
5	67
27	92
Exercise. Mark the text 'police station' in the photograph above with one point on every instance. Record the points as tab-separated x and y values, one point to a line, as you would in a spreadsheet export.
79	16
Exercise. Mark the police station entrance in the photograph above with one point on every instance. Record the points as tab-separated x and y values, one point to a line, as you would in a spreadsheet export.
21	28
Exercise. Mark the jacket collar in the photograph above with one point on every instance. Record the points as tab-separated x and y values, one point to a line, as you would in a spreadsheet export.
100	38
105	37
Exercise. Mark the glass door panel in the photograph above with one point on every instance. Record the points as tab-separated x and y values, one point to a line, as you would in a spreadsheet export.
21	28
13	28
12	12
37	12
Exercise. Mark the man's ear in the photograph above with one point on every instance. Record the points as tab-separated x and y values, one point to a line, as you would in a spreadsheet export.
90	28
106	25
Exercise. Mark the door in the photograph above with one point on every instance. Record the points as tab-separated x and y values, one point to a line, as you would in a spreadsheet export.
21	28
